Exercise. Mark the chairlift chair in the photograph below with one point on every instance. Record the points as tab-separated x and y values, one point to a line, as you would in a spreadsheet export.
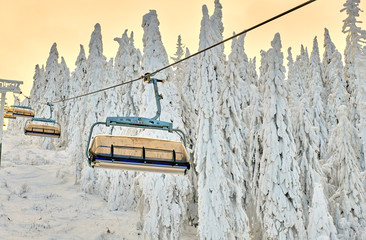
138	153
43	127
8	109
9	115
21	111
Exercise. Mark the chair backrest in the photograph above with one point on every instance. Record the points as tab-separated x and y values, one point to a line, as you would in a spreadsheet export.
158	149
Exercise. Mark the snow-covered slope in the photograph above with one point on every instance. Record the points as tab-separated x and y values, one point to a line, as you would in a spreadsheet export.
39	200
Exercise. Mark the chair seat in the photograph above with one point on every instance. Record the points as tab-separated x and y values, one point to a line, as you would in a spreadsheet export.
9	115
138	154
22	112
42	130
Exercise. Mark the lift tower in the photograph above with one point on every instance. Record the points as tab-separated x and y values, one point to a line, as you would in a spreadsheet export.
6	86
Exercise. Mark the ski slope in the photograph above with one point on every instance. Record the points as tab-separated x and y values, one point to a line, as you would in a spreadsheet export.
38	199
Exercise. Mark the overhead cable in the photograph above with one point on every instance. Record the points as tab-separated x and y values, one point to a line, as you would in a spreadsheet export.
197	53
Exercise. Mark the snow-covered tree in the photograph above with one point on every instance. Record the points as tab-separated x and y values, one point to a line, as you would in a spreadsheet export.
238	66
50	83
252	71
348	200
361	102
233	101
162	201
335	84
339	95
302	64
126	68
321	224
329	50
296	77
296	88
262	70
251	78
180	52
254	156
354	41
279	204
180	71
77	141
52	68
217	197
187	73
307	151
97	78
63	108
316	94
291	77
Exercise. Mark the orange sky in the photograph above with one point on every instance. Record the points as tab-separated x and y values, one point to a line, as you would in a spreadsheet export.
28	28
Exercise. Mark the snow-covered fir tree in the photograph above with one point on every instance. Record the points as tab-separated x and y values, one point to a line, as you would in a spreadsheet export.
162	197
49	91
296	77
262	70
215	208
233	102
96	75
307	149
62	109
77	141
348	196
255	111
291	77
186	73
355	38
302	64
252	71
361	102
295	87
126	67
279	204
321	224
336	86
180	52
355	44
181	69
329	50
316	94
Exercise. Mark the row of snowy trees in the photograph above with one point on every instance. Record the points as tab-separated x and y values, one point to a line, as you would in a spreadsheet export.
274	155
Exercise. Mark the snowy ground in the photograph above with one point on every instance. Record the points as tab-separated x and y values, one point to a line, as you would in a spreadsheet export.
38	199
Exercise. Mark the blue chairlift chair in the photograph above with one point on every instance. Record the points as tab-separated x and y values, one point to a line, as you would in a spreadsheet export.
9	115
43	127
21	111
138	153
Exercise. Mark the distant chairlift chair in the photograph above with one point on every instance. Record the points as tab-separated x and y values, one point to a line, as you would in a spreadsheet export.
9	115
138	153
43	127
21	111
